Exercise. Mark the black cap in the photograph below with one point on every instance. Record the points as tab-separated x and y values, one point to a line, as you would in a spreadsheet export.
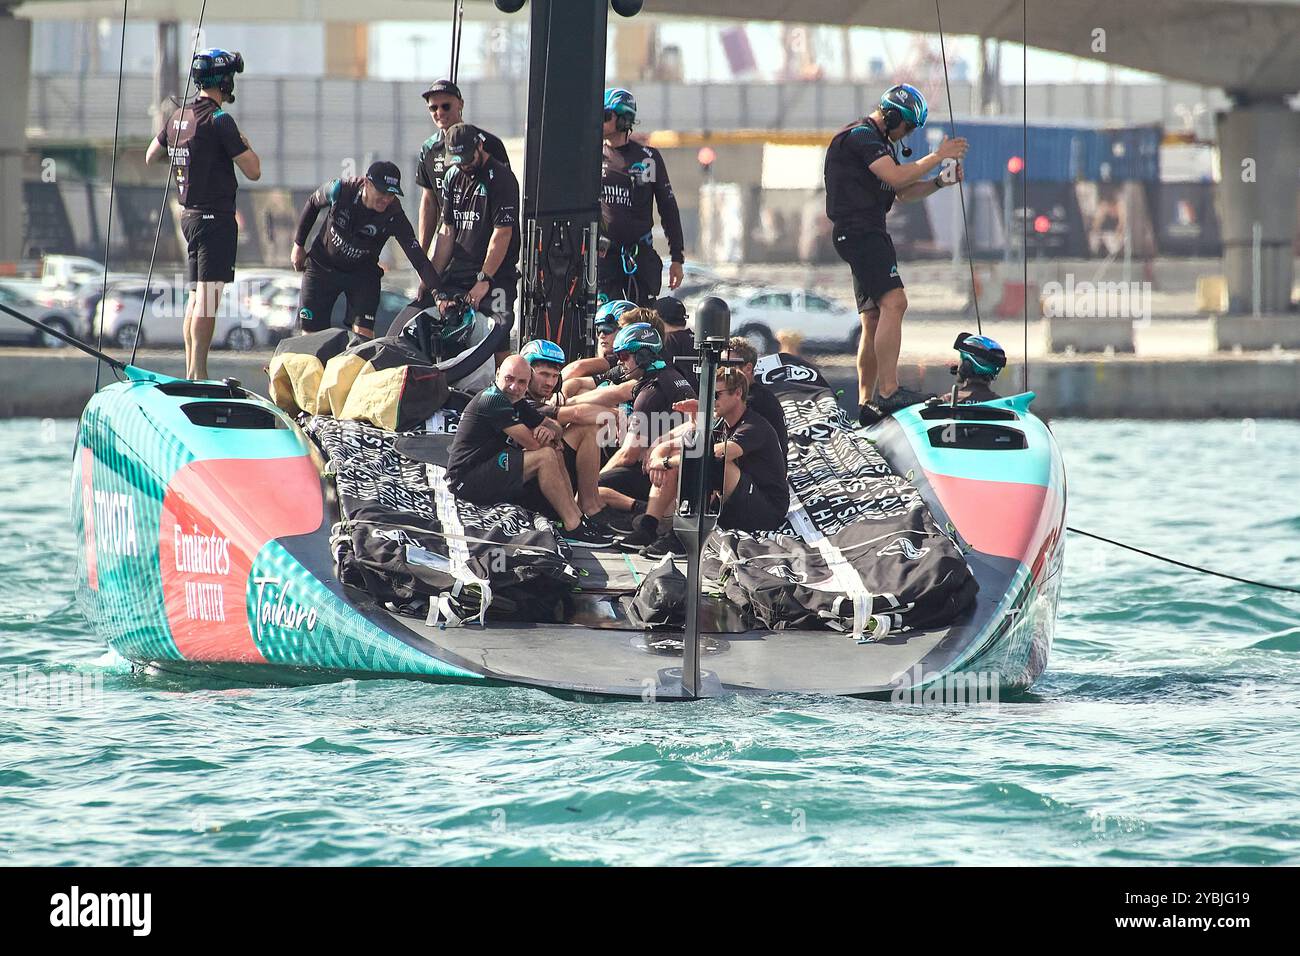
443	86
460	139
671	309
386	176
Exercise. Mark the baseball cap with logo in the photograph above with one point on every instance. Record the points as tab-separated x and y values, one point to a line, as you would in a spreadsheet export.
386	176
462	140
443	86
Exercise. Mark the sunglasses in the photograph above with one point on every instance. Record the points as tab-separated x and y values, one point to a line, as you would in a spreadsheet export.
437	107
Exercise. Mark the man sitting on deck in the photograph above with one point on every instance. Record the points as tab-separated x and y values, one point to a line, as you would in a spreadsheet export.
574	425
501	455
748	464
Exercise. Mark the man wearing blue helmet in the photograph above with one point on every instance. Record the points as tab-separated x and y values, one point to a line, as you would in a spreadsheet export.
634	179
863	177
980	360
574	426
624	484
204	145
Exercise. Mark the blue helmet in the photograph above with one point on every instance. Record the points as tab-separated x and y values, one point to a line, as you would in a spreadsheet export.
623	105
214	66
908	101
643	343
984	355
609	313
543	350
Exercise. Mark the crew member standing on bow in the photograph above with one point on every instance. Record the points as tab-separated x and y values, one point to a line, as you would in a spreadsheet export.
632	178
477	253
446	106
204	146
344	260
863	177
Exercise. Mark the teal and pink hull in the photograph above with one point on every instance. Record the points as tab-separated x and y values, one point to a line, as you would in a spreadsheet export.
204	517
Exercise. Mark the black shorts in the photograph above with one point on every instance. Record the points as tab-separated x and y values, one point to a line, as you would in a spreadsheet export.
213	240
630	480
873	262
749	509
321	288
499	480
502	290
642	285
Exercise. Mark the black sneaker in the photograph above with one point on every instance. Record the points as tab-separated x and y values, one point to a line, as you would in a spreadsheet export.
900	400
619	522
587	535
645	530
666	544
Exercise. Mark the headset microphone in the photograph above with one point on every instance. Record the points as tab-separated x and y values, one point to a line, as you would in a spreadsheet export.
906	151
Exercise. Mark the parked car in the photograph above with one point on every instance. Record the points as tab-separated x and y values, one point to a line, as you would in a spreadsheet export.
280	311
758	314
46	305
164	314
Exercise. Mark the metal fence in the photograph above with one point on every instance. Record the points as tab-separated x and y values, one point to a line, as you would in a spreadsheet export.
305	130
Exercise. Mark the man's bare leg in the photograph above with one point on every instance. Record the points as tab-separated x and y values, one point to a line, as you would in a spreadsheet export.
207	300
867	355
582	439
547	468
889	340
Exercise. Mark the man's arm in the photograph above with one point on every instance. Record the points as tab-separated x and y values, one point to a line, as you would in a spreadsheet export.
442	249
405	237
669	215
523	436
900	177
249	163
157	151
428	219
583	368
318	200
608	397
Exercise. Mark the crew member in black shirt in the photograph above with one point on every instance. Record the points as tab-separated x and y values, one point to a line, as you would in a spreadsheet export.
863	176
361	215
633	179
477	253
204	145
446	106
678	339
761	398
503	445
748	463
624	485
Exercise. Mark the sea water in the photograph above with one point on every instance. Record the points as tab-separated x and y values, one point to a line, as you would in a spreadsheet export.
1165	730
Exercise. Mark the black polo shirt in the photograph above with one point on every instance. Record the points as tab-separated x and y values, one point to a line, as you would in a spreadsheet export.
476	203
855	197
203	141
481	432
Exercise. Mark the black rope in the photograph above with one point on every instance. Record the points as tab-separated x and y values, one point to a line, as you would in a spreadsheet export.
167	185
1184	564
961	190
1024	179
457	25
112	183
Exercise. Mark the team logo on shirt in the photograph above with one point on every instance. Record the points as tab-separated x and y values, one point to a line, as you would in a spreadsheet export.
369	230
503	460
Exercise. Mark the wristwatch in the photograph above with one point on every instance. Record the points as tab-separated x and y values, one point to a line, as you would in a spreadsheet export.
483	277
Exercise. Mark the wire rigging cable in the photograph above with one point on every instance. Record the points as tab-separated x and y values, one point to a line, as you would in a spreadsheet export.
112	181
1184	564
961	189
167	184
1024	179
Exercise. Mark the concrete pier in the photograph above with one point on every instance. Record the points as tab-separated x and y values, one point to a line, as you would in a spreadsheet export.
45	383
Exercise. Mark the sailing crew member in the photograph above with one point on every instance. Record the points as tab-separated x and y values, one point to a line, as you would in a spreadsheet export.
204	146
863	177
477	252
748	464
574	425
624	484
446	106
679	341
502	447
582	375
633	178
362	215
